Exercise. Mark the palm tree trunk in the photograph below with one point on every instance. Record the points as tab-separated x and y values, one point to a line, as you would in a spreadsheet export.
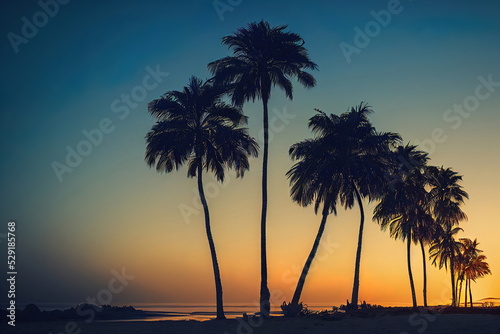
459	287
355	287
410	275
453	290
470	294
465	293
265	305
425	273
307	265
215	264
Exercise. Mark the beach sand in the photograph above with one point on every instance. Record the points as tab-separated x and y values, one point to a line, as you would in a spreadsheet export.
399	324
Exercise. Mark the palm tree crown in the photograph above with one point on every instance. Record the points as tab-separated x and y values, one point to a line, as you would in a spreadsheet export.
263	56
196	127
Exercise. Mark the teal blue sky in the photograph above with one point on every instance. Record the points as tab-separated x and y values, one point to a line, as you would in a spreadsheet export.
75	228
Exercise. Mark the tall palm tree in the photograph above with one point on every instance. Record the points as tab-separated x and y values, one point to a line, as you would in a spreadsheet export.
443	252
365	156
446	197
350	156
403	208
312	179
425	233
263	56
195	127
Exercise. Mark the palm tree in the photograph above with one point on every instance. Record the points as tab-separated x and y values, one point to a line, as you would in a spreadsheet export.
195	127
425	233
446	197
471	265
312	180
404	208
477	268
444	250
350	156
263	56
364	157
460	264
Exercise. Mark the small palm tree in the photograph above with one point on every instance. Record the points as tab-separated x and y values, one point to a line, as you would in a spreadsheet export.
263	57
444	251
195	127
470	266
404	208
461	262
477	268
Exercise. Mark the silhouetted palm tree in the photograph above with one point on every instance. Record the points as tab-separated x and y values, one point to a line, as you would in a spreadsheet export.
263	56
444	250
312	179
446	196
461	262
351	157
425	234
470	266
195	127
404	207
476	268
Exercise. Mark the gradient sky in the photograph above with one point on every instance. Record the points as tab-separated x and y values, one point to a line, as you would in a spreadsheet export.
113	212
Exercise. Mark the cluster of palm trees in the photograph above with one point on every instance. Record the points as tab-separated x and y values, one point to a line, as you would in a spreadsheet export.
471	265
347	161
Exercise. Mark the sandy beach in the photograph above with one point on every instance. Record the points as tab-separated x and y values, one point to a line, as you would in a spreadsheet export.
400	324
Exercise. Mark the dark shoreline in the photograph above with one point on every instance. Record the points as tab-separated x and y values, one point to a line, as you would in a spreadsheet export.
89	313
382	323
